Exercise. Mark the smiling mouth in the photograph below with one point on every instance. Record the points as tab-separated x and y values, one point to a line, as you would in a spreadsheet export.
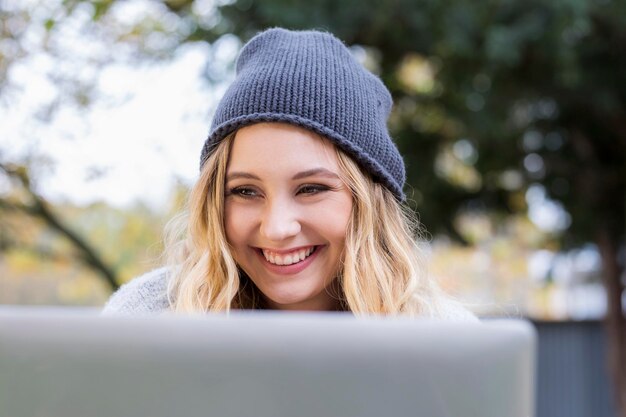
290	258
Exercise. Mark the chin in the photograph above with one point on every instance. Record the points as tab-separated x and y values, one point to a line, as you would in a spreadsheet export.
286	301
297	301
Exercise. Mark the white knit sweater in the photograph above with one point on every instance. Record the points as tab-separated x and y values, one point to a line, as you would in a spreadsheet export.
147	294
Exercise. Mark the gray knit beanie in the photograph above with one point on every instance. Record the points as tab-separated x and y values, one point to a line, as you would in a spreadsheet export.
310	79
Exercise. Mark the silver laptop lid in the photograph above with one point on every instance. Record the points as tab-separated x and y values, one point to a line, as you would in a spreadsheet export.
63	364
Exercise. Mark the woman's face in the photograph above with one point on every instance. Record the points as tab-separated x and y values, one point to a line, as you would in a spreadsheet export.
286	213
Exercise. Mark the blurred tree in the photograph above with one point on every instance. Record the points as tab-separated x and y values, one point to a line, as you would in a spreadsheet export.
496	104
69	34
18	45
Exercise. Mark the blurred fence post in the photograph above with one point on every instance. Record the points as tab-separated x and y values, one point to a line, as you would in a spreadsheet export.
572	378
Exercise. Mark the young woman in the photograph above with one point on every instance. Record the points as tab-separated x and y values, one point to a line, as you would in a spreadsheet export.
299	201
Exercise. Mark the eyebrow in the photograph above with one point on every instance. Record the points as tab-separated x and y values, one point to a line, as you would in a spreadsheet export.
320	172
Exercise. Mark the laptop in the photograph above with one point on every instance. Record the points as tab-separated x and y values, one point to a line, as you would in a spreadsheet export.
73	363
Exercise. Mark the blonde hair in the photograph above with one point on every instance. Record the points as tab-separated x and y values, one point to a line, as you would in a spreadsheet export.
382	272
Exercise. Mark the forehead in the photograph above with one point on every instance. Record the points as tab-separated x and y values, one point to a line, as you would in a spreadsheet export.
279	146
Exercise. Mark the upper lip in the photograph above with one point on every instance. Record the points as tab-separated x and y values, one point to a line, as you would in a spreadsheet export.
286	251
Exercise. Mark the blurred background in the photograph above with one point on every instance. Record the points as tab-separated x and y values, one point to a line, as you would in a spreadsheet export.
511	116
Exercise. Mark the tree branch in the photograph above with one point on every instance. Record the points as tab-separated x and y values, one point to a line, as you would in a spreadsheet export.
40	209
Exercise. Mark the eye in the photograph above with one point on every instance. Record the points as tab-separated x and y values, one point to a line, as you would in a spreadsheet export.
312	189
245	192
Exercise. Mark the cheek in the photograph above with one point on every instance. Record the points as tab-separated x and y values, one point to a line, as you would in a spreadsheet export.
334	219
237	224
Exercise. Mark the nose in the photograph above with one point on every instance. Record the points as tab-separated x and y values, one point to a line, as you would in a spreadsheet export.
280	221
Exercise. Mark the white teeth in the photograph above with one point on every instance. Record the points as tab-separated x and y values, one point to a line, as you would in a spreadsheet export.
289	259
